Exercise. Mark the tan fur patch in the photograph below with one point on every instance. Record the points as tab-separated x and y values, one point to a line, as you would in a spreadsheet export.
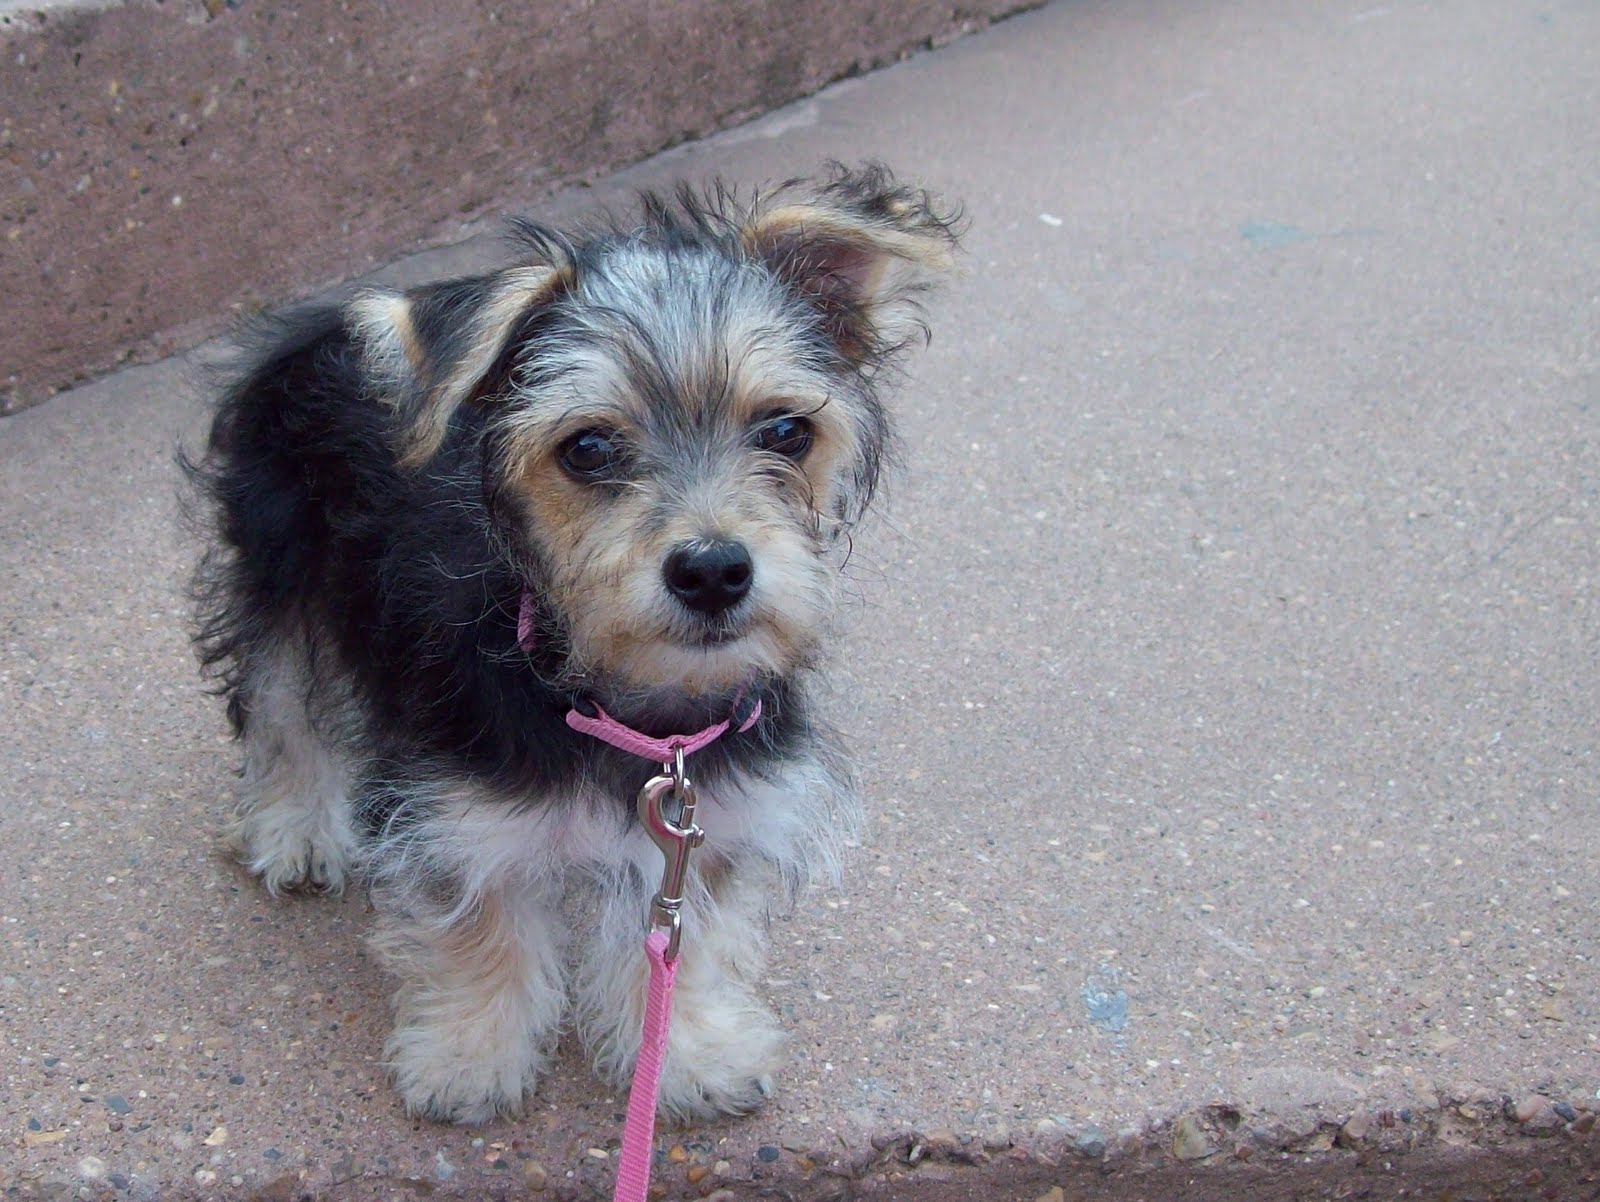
485	945
381	320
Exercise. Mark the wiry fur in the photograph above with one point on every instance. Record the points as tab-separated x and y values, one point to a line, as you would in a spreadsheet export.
389	478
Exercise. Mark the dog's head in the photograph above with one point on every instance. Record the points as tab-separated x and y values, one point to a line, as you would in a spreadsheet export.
680	418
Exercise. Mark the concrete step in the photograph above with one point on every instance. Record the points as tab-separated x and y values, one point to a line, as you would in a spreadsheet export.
1224	686
165	167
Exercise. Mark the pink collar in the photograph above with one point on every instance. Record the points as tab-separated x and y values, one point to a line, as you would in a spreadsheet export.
624	738
607	729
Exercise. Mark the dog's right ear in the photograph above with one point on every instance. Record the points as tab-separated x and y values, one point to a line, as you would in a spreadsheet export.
859	247
430	349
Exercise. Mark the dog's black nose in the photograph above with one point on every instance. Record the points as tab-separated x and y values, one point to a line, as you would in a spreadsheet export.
709	576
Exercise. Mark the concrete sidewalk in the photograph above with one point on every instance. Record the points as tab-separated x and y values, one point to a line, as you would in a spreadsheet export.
1226	690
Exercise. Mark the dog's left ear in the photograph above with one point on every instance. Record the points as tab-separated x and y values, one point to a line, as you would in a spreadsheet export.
433	348
859	247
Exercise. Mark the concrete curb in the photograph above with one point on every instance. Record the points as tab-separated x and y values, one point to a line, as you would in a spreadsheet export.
165	165
1467	1148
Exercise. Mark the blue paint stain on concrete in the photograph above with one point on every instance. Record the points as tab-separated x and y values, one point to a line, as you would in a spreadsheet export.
1106	1003
1273	235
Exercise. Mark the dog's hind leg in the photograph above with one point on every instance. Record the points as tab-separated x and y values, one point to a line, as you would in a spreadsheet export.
293	827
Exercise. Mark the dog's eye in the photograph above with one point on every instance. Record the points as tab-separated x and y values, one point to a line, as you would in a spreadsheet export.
789	436
590	454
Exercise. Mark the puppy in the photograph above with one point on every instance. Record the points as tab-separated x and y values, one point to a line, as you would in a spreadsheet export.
612	482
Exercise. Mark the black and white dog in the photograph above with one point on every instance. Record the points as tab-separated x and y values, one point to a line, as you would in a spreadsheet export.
644	447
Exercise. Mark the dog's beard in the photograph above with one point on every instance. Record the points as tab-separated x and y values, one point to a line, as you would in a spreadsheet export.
637	640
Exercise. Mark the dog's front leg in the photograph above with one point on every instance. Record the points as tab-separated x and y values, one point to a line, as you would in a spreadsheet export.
724	1044
479	1003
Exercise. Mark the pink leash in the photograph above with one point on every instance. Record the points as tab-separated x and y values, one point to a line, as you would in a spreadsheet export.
638	1132
676	836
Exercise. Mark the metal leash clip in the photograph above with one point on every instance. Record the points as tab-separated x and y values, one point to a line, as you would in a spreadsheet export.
666	807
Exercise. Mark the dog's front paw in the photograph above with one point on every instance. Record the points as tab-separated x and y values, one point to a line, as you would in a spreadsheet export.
721	1057
442	1076
293	844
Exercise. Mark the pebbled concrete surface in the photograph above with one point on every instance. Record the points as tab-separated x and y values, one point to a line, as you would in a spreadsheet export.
1225	682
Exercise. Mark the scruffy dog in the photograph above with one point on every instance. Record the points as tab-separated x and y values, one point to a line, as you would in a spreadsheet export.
612	480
